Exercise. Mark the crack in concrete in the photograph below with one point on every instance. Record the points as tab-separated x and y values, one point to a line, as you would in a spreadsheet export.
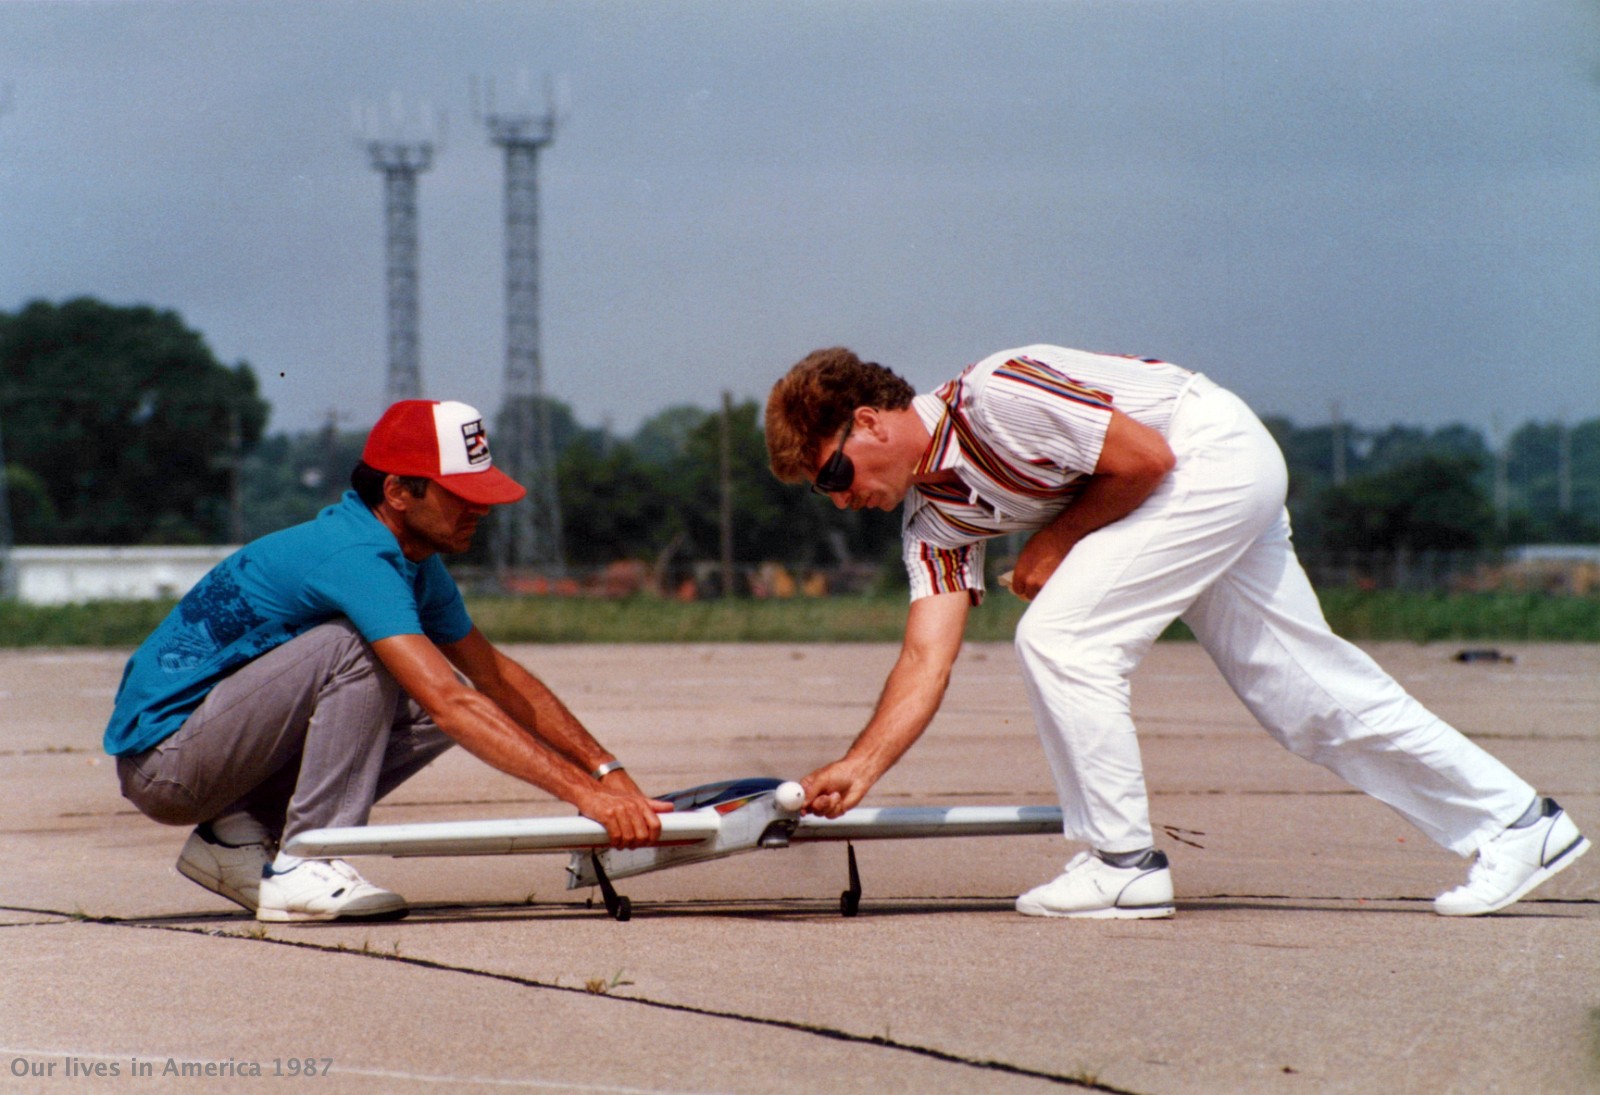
1083	1083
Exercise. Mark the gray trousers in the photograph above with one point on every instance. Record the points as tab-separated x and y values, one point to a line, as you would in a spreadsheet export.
309	735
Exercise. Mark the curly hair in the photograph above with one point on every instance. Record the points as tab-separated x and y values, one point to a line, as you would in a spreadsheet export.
815	398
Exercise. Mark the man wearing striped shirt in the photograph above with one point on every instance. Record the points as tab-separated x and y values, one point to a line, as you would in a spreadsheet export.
1149	494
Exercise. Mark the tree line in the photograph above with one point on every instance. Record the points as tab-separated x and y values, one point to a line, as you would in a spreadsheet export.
119	426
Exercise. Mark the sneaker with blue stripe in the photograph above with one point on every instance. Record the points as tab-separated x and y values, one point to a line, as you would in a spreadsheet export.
1513	863
315	889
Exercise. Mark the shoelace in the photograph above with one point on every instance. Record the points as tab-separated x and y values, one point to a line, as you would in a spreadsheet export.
344	870
1077	861
1488	863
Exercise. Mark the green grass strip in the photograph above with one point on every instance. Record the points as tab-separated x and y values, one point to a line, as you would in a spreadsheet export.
99	623
1412	617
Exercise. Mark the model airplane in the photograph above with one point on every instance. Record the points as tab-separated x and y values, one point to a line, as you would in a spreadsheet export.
708	822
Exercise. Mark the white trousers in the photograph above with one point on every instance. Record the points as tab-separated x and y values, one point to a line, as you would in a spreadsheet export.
1212	546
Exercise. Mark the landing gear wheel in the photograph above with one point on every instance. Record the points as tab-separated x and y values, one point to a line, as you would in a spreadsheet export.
850	900
617	905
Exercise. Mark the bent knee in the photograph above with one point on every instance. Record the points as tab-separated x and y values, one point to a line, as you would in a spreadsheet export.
165	801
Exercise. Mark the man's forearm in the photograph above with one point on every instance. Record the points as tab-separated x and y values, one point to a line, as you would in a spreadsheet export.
1104	500
496	722
916	685
1133	462
481	726
530	702
910	698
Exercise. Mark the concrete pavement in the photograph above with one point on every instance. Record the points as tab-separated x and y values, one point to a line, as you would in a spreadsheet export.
1304	957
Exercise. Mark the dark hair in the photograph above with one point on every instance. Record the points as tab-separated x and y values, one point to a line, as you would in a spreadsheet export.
367	481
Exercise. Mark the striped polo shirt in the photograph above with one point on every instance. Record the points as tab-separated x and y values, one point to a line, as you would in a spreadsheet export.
1022	429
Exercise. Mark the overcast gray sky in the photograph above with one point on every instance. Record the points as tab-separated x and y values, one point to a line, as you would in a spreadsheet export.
1390	205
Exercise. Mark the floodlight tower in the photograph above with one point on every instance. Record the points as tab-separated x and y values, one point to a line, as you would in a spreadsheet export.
400	159
529	533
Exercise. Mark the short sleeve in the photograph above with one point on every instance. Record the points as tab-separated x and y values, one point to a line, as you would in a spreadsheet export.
377	599
443	613
1044	416
944	569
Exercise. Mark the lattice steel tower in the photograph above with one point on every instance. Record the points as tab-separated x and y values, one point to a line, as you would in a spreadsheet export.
401	161
528	534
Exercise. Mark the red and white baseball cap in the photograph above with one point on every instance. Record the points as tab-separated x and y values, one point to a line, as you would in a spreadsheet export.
442	441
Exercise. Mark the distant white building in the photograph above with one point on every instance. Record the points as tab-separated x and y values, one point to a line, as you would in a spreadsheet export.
68	575
1555	553
1552	568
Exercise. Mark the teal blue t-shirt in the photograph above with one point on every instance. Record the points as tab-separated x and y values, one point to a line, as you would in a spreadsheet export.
344	562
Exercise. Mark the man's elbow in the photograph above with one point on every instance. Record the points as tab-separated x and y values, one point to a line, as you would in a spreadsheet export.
1140	475
1152	461
930	664
1162	462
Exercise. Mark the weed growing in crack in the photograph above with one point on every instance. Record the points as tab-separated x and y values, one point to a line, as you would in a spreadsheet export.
599	986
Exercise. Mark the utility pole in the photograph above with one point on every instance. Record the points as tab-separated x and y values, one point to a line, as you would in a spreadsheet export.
527	533
401	158
235	478
1502	478
8	578
1338	445
725	483
1563	467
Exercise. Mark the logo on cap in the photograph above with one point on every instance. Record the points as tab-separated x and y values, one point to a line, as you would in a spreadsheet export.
477	442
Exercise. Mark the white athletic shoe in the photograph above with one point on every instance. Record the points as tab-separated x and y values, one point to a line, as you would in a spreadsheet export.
1094	889
1515	862
316	889
232	870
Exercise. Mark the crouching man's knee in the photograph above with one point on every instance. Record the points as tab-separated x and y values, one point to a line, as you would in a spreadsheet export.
161	800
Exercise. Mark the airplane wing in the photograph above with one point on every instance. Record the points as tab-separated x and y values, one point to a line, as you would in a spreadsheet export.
906	822
506	836
696	818
709	822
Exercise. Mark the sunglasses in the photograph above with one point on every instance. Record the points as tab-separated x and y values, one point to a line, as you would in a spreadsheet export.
837	472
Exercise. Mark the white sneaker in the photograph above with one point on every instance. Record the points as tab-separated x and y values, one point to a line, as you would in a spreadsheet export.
1515	862
316	889
1092	888
232	870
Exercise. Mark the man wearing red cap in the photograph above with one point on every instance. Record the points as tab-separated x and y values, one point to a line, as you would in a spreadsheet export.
316	669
